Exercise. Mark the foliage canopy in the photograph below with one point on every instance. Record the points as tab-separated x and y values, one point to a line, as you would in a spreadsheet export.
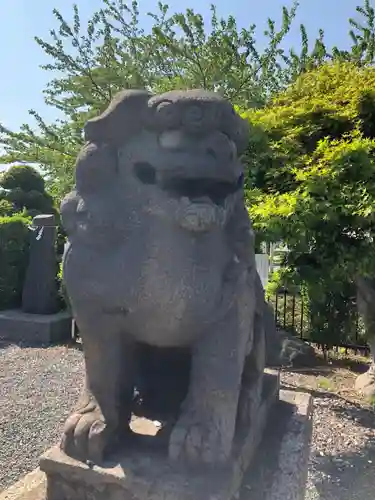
312	185
112	51
315	179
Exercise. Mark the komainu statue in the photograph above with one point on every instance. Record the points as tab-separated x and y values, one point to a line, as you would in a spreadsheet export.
161	260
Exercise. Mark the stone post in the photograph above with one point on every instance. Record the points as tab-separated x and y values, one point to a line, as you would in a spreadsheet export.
39	295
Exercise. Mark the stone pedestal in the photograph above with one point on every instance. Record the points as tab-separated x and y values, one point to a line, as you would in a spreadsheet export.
144	473
18	326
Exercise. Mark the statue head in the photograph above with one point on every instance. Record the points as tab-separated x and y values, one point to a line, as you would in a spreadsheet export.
175	156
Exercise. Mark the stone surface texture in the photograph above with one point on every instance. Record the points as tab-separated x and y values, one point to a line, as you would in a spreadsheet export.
33	329
39	294
160	265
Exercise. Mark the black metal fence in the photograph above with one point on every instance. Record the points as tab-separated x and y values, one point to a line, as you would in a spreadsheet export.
292	315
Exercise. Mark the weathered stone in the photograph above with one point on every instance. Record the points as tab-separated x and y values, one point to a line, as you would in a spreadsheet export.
283	348
295	352
39	295
161	256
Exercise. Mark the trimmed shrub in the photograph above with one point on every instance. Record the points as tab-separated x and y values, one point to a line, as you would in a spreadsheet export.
14	245
23	187
23	177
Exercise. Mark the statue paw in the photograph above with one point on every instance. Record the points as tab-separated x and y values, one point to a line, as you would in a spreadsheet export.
86	434
194	441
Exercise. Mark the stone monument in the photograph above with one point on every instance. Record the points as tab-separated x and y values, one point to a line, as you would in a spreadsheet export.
39	321
39	294
161	275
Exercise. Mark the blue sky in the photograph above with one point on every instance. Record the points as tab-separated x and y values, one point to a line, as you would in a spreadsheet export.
22	80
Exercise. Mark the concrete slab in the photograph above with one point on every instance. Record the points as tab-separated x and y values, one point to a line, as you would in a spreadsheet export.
18	326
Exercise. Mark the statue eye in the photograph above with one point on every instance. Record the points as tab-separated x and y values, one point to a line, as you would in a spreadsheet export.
193	117
145	172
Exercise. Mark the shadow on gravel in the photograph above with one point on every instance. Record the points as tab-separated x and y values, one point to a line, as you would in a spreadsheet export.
360	413
348	476
328	367
354	365
314	393
316	371
345	476
364	416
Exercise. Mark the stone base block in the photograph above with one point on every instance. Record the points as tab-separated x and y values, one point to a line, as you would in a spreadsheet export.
18	326
146	474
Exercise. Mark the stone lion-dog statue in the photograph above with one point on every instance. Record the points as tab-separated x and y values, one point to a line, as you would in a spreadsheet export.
161	254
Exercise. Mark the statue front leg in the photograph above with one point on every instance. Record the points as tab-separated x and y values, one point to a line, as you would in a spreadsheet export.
205	430
103	412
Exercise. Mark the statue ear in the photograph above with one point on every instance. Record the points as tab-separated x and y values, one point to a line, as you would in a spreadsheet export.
96	164
96	167
125	116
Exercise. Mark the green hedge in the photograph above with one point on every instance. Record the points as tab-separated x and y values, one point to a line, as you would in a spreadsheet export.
14	246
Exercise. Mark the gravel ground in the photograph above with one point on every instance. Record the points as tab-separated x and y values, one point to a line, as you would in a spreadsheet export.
342	459
38	387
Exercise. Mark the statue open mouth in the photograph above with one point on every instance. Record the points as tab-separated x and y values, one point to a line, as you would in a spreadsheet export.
200	202
197	190
203	203
201	189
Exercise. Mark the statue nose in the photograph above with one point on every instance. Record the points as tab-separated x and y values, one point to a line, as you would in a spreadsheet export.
219	147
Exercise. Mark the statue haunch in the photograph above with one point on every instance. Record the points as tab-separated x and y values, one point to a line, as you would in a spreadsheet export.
161	255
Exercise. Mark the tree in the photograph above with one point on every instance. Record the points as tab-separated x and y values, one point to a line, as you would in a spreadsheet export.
22	190
113	52
312	183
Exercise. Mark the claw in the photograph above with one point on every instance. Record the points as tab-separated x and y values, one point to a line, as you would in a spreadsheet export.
86	435
193	442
